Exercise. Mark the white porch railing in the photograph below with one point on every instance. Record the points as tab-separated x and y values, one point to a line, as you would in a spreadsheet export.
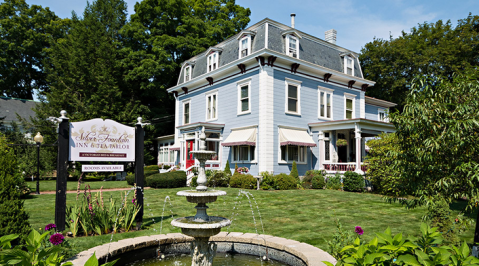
343	167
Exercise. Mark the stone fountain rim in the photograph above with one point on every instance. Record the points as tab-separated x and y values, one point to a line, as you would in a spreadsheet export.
310	255
195	193
221	222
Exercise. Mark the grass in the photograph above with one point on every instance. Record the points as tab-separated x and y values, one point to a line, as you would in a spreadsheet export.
304	215
50	185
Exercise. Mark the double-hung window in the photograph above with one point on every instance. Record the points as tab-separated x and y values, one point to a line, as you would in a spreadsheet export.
211	106
213	61
327	146
243	153
382	115
325	103
349	106
245	46
186	112
187	73
244	97
349	65
293	97
292	45
290	153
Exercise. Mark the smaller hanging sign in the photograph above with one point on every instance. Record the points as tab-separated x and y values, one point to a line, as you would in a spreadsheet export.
102	168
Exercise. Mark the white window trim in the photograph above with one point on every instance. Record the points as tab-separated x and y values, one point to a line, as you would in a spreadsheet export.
249	153
248	38
326	91
346	58
183	114
187	68
330	146
208	95
215	61
351	97
287	45
281	161
239	85
385	111
297	83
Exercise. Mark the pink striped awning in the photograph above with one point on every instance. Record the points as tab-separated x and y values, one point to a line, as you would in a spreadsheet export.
246	136
295	137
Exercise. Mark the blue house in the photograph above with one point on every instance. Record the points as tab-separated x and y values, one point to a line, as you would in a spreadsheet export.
271	95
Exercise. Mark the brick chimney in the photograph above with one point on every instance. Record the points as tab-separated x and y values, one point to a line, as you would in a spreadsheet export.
330	36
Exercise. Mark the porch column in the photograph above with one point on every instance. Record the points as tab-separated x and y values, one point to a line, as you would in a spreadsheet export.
358	149
321	150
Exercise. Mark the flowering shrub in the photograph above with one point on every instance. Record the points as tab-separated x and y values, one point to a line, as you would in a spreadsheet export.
243	170
50	226
359	230
92	215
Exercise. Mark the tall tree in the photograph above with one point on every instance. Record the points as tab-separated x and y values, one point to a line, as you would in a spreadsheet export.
437	134
430	49
24	33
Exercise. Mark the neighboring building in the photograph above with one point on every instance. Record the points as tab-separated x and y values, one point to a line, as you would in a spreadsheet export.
271	95
10	107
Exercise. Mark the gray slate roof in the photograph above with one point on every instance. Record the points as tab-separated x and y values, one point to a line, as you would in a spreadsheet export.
10	107
311	49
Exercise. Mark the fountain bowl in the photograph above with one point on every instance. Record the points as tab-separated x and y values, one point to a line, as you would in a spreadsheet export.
200	229
195	196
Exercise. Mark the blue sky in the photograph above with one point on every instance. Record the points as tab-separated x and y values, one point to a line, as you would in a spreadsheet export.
357	22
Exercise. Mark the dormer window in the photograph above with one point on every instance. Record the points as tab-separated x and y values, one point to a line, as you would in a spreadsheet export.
292	46
213	61
187	73
245	46
349	65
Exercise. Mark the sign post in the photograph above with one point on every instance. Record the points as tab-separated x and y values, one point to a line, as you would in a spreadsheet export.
139	170
62	171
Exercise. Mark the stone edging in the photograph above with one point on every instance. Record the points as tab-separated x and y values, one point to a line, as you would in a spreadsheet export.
311	255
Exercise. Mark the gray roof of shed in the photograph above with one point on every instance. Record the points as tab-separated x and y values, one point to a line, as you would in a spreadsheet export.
10	107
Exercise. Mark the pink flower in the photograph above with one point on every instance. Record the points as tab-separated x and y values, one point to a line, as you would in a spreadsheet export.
50	226
359	230
56	239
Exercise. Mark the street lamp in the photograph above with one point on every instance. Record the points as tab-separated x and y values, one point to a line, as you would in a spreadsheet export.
38	139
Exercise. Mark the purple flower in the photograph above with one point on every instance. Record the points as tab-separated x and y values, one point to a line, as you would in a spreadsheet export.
56	239
50	226
359	230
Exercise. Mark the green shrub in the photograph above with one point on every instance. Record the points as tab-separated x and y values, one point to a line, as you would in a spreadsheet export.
285	182
218	179
307	181
334	182
167	180
267	182
242	181
194	181
151	168
294	171
340	239
130	179
353	182
440	215
236	168
388	249
318	182
13	217
227	170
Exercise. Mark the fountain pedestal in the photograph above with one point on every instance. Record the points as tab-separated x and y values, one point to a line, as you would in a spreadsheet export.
201	226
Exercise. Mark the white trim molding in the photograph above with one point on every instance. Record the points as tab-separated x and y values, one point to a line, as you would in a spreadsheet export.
325	94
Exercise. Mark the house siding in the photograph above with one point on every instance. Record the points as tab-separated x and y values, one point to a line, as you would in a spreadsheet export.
371	112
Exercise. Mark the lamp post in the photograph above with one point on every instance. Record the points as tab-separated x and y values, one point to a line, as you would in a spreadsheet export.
38	139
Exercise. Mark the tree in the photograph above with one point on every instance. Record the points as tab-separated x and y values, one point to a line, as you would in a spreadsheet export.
25	31
294	171
13	217
437	135
430	49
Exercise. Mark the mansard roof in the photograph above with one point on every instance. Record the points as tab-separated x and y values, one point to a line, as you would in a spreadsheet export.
269	36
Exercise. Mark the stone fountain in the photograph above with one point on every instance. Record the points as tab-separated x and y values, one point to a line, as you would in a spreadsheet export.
201	226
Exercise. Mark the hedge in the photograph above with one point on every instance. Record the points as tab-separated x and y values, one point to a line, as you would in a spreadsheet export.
242	181
167	180
353	182
130	179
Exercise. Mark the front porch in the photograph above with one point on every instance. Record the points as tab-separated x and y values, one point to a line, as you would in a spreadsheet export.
349	153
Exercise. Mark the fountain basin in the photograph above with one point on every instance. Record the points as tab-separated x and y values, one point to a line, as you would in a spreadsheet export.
194	196
285	250
200	229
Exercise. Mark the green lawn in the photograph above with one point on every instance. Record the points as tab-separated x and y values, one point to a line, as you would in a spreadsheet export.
50	185
303	215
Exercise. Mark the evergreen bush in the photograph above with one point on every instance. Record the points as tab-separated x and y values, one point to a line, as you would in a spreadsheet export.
151	168
440	215
334	182
308	178
285	182
227	170
167	180
267	182
130	179
194	181
13	217
353	182
318	182
294	171
236	168
242	181
218	179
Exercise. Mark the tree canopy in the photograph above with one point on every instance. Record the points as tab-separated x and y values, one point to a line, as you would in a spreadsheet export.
430	49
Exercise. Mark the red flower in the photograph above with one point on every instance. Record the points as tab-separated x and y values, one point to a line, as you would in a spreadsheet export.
50	226
359	230
56	239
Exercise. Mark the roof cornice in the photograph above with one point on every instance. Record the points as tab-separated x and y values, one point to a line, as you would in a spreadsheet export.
378	102
293	32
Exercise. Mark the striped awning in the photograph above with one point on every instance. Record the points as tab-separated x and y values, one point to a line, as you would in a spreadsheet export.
238	137
295	137
175	147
